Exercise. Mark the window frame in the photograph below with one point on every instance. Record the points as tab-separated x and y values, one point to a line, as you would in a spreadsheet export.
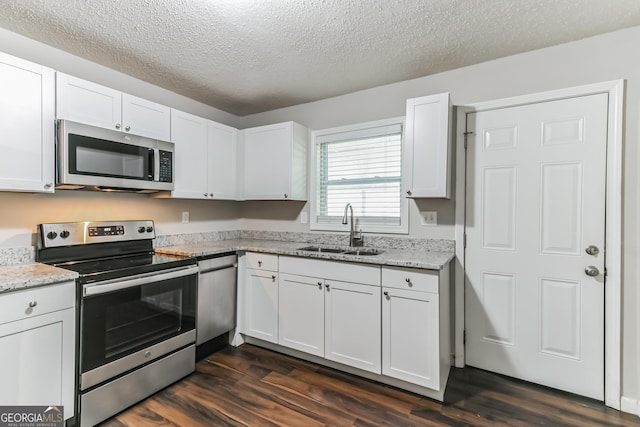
402	228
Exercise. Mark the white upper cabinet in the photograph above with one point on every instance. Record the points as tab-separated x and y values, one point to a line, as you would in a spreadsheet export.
205	156
189	134
222	148
275	162
427	149
27	126
90	103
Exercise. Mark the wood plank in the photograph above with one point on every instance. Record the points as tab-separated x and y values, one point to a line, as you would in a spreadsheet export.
252	386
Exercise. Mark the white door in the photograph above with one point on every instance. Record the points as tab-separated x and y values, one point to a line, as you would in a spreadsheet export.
262	305
145	118
535	205
189	134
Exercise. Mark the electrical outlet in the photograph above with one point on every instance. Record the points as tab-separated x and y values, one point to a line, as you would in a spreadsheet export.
304	217
429	218
185	217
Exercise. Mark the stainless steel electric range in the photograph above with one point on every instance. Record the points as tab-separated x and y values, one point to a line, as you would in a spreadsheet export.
136	311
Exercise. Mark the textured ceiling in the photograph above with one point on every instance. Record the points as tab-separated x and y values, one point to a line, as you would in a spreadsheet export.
247	56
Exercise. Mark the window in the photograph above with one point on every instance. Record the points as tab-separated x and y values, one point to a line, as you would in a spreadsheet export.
361	165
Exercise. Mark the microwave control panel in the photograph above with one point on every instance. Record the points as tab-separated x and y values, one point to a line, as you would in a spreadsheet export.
166	166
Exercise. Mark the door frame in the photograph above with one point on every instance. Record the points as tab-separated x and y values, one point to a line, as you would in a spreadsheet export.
613	221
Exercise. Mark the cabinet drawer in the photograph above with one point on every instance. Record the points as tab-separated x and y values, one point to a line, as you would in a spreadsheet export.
258	261
332	270
410	278
19	305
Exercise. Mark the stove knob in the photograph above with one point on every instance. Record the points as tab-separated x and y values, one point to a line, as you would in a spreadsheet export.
64	234
140	229
149	229
52	235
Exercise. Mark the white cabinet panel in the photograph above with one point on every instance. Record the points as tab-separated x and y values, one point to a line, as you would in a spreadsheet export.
189	134
275	162
410	336
222	146
27	126
145	118
205	156
301	313
427	150
37	351
352	325
86	102
261	305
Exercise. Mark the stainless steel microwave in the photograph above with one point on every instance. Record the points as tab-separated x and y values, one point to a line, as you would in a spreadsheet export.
93	158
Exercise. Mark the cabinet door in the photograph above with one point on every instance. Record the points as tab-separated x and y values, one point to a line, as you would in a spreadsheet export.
222	155
267	162
301	313
27	126
261	305
37	359
410	338
189	134
427	148
87	102
352	324
145	118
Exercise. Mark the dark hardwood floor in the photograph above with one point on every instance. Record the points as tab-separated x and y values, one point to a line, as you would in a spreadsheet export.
251	386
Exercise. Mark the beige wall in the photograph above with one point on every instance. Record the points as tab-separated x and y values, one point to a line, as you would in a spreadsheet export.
607	57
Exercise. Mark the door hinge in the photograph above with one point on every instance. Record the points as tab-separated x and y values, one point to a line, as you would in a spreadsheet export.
464	337
464	240
466	138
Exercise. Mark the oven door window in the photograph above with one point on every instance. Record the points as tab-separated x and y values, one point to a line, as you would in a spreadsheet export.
92	156
125	321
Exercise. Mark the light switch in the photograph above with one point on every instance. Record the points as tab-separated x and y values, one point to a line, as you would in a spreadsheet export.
304	217
185	217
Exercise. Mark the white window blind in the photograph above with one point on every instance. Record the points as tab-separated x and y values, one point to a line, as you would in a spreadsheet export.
362	167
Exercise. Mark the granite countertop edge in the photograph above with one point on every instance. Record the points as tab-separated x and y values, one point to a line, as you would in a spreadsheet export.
18	277
410	258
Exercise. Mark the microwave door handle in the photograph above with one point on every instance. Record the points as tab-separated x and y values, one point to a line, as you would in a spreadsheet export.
154	164
133	281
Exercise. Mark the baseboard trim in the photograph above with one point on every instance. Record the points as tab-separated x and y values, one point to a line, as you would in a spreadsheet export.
630	405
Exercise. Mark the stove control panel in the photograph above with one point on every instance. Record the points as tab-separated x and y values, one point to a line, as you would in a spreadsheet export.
82	233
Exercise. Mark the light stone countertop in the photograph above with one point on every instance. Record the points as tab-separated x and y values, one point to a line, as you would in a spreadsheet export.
412	258
30	275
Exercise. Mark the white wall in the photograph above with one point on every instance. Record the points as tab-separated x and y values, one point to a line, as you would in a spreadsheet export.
608	57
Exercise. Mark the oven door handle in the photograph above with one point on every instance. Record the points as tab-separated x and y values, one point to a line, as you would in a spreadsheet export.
137	280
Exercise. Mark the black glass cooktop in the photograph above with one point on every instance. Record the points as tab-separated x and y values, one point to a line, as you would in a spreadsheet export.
110	268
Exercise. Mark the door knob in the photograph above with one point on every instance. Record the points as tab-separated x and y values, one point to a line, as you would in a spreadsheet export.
592	271
592	250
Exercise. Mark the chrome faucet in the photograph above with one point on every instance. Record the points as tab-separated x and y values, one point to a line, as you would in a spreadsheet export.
355	238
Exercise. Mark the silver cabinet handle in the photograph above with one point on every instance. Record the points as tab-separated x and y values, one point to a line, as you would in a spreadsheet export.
117	125
327	286
386	294
592	250
259	263
273	278
48	185
319	285
592	271
408	280
210	194
32	304
127	128
408	192
286	196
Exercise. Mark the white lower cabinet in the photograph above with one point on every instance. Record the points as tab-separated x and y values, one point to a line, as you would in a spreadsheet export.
352	324
415	334
261	293
391	322
37	347
301	309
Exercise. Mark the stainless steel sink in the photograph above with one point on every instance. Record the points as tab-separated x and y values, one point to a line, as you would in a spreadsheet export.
321	249
363	252
348	251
